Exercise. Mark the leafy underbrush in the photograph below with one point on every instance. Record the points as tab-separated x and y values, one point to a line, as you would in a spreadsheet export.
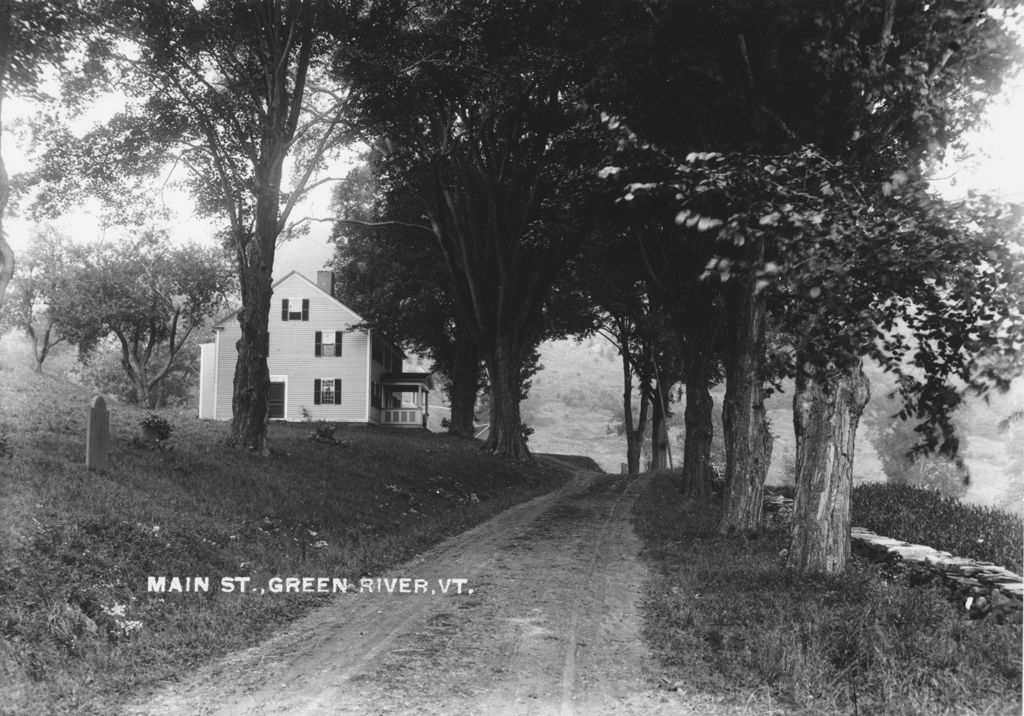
78	628
923	516
725	618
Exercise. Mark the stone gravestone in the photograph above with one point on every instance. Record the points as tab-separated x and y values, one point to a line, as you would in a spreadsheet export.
97	436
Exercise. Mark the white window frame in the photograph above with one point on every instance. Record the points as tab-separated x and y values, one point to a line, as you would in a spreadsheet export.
324	383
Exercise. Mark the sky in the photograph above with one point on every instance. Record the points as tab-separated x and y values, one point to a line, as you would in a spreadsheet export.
306	253
995	163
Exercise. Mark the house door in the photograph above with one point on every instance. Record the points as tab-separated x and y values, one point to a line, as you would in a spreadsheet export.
277	400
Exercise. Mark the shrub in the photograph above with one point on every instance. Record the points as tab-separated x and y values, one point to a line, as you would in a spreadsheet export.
325	431
927	517
158	425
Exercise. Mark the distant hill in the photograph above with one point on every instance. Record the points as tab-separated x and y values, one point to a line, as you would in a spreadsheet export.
574	401
575	405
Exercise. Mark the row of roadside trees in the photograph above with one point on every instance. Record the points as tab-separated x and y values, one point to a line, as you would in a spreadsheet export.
764	214
737	192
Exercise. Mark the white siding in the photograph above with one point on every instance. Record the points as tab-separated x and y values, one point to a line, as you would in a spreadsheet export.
292	355
207	359
227	357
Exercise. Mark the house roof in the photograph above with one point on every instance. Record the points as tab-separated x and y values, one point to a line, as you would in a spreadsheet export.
407	379
223	319
218	324
281	280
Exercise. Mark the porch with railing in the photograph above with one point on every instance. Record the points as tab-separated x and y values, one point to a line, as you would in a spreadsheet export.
411	417
405	399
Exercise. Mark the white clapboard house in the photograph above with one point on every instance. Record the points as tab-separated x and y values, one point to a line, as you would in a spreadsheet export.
320	368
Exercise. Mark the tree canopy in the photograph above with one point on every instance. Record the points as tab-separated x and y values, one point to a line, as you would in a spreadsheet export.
34	36
470	107
150	296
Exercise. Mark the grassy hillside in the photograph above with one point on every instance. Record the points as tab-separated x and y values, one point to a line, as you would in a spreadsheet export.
78	626
576	402
724	618
575	405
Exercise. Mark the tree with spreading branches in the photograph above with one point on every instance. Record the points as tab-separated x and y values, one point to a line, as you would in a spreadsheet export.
238	94
472	111
151	297
42	274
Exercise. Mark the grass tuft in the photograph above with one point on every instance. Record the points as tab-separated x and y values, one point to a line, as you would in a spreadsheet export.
725	617
923	516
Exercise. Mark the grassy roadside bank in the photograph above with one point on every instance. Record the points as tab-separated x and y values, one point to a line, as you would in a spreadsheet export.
78	629
724	618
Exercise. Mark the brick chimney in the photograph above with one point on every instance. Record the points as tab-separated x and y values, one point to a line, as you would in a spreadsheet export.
325	280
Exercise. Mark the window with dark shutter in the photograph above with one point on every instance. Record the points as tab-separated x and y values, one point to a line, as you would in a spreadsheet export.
318	340
284	309
266	343
305	309
327	391
337	343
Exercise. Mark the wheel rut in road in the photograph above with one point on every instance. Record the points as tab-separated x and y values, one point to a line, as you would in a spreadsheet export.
552	626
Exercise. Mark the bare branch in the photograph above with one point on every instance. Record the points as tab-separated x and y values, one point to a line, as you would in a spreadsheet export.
300	185
371	224
315	184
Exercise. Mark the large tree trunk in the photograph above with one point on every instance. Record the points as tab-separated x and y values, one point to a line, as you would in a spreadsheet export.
153	397
634	434
465	378
826	410
133	367
286	61
250	402
632	453
659	428
504	368
748	441
699	425
145	395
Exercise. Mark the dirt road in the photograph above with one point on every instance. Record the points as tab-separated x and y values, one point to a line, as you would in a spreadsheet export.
551	627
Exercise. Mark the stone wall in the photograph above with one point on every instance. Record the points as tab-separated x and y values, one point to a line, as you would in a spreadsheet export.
980	588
